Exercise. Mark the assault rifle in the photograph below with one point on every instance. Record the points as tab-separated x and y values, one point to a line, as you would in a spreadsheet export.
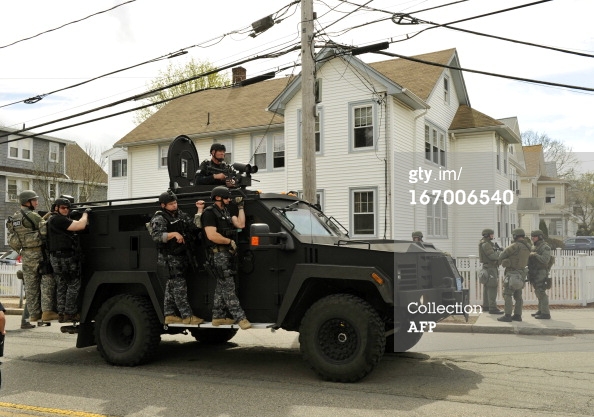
239	174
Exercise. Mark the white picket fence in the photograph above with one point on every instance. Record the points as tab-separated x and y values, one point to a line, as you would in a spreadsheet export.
573	280
10	285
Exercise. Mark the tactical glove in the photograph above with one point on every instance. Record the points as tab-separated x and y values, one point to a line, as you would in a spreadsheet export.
239	202
88	210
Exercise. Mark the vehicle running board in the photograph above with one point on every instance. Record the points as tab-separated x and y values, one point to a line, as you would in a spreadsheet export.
208	325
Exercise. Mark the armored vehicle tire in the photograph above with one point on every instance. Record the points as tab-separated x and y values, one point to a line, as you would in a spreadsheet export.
127	330
401	340
342	338
213	336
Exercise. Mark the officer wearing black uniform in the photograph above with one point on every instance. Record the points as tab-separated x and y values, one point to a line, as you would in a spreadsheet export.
209	170
219	227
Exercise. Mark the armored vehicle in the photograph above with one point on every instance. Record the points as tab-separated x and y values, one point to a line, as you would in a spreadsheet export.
297	269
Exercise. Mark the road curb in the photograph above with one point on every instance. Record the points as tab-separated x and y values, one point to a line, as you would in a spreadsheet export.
522	330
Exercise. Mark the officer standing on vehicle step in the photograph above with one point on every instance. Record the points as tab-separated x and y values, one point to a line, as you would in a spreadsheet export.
538	273
40	292
219	227
172	229
65	258
489	256
515	259
209	176
417	236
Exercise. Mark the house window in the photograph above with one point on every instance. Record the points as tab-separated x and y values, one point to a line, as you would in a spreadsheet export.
446	90
498	155
364	212
52	191
14	187
550	195
363	127
228	143
54	150
318	90
319	198
317	131
435	145
437	219
119	168
83	193
163	150
269	151
504	159
20	149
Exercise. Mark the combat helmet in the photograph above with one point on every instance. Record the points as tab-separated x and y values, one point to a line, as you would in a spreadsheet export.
518	233
220	191
488	232
27	195
61	201
217	147
167	197
417	233
538	233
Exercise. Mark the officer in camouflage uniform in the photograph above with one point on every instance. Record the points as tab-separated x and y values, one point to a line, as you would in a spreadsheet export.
538	273
64	256
417	236
514	258
488	256
169	228
219	227
39	289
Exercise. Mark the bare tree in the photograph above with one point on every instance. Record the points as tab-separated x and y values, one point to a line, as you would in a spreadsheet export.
554	150
581	201
175	74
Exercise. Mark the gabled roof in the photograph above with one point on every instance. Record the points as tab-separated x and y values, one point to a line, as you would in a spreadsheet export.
468	120
210	111
81	167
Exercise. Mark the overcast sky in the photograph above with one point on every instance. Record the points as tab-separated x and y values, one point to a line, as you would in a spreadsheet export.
142	30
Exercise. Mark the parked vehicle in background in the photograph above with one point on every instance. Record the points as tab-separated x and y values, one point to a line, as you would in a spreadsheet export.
579	243
12	258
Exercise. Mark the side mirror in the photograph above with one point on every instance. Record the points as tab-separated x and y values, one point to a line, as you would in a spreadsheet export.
261	238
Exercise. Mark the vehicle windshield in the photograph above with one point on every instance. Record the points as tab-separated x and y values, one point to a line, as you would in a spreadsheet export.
305	220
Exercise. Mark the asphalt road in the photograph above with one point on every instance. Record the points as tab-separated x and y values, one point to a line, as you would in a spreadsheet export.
261	374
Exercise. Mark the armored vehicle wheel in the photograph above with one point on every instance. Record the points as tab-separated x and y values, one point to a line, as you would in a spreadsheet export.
342	338
213	336
127	330
401	340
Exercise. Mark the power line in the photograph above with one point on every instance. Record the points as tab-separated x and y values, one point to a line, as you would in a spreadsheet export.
66	24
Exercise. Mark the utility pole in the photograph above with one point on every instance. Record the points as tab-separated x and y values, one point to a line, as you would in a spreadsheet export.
308	103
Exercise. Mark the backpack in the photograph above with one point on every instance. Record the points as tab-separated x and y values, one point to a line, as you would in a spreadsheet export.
14	241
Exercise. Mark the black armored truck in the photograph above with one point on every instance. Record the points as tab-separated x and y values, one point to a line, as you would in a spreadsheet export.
297	269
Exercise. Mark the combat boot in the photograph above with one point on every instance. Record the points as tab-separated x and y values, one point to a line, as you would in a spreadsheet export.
516	317
27	325
244	324
507	318
49	316
543	316
61	318
71	317
193	320
173	319
221	322
535	314
34	318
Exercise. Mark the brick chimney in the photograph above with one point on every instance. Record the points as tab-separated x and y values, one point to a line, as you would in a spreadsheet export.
239	74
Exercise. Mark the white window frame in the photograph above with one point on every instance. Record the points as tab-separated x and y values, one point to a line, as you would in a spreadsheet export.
437	218
319	197
52	195
446	89
436	145
352	120
265	146
54	152
318	132
83	187
353	211
163	150
121	163
21	146
21	185
550	198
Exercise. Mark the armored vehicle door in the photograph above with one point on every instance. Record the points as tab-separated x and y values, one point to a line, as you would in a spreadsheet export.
182	162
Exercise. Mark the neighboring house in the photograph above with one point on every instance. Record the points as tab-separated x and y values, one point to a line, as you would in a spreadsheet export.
117	159
50	166
377	126
543	197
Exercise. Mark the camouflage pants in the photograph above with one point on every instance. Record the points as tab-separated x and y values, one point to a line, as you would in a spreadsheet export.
32	281
538	283
225	300
508	293
176	288
67	276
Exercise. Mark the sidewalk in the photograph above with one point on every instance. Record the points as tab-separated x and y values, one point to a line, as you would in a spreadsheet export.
563	322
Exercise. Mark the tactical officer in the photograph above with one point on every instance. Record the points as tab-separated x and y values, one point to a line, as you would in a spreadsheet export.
172	230
39	289
64	256
515	259
488	256
538	273
219	227
208	175
417	236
